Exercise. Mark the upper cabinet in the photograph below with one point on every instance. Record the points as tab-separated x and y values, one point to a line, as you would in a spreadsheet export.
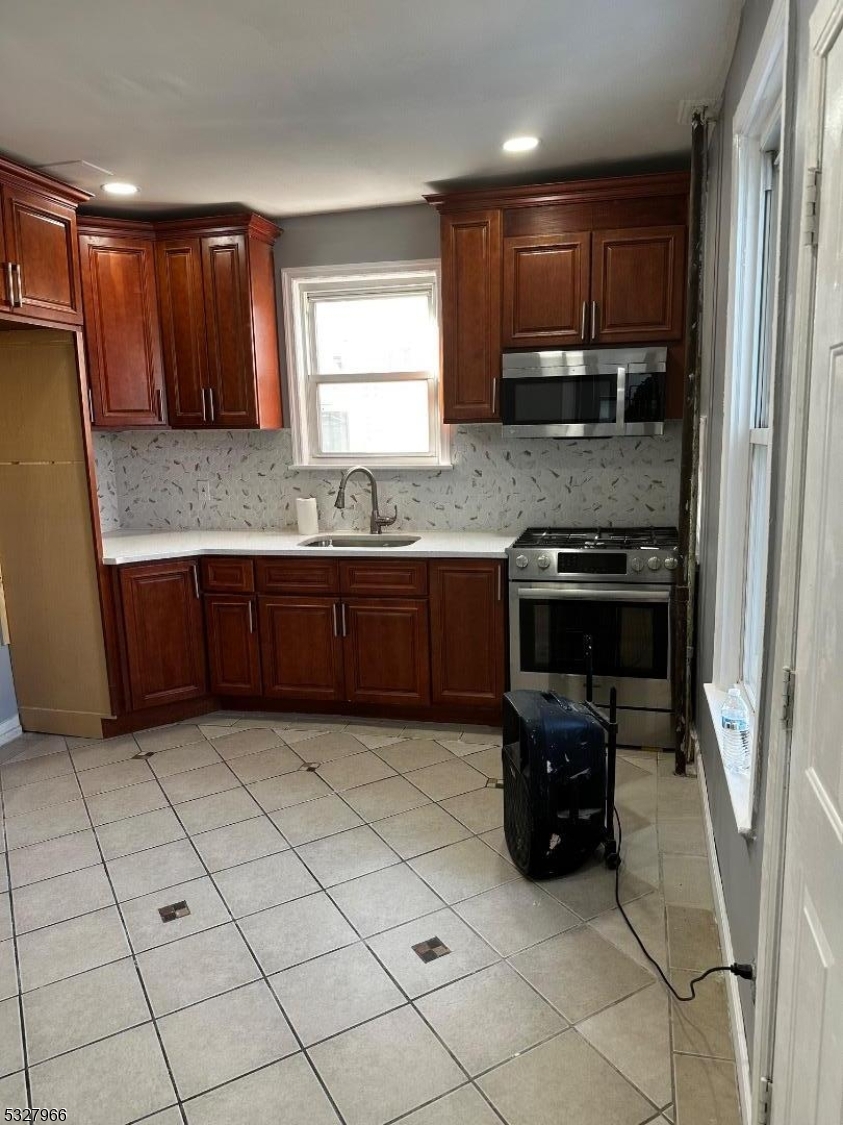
122	335
569	265
38	243
219	322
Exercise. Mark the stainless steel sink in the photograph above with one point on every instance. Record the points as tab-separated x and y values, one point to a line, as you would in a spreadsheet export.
361	541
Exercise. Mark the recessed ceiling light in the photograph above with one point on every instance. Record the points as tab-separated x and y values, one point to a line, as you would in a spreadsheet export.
520	144
119	187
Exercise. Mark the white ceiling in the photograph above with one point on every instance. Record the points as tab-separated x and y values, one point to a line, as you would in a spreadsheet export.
291	106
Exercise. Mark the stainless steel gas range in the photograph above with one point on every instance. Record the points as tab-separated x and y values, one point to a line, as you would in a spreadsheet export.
618	586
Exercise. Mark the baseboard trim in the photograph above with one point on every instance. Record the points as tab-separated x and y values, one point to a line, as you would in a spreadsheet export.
732	991
10	729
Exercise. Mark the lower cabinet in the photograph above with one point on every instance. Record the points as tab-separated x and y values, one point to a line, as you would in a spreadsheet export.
233	649
301	648
468	627
165	637
387	651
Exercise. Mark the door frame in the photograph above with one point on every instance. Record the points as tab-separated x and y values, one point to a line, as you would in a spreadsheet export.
826	22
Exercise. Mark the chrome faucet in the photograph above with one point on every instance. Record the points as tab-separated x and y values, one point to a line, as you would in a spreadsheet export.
377	522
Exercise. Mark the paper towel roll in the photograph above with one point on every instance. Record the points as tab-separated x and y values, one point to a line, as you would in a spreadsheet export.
307	515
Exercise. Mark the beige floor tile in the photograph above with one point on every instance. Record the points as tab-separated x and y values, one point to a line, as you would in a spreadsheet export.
638	797
11	1040
264	882
640	854
73	1012
171	1116
314	820
217	810
335	992
647	760
464	1106
471	743
415	754
286	1093
487	761
66	896
429	731
123	803
687	881
468	952
296	931
239	843
480	810
144	923
103	753
516	915
183	758
137	833
648	917
225	1037
165	738
46	824
693	938
701	1027
13	1091
634	1036
202	965
385	798
580	973
152	870
679	798
385	899
489	1017
564	1082
28	746
627	769
290	789
71	947
5	916
447	779
37	769
199	783
328	746
117	775
8	970
420	830
706	1091
591	890
239	743
25	799
464	869
357	769
410	1065
682	837
274	762
109	1083
53	857
336	859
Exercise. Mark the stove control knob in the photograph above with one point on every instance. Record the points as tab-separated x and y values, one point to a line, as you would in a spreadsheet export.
543	561
671	563
637	564
654	563
521	561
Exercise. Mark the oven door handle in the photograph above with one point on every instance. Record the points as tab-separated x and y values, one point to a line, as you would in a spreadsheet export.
570	593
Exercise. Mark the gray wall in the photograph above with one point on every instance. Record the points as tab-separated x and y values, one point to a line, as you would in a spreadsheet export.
8	703
739	859
383	234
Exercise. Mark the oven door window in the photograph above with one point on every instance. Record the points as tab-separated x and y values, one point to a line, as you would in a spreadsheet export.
630	639
568	399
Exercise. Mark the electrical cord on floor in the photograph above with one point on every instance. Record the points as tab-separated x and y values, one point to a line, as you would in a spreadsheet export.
739	969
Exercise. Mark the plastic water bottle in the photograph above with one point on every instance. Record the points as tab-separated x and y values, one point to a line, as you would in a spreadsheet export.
734	719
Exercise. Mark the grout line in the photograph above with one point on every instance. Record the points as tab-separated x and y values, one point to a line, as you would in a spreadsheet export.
22	1029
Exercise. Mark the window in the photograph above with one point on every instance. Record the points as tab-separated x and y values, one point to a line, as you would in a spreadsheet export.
363	365
746	463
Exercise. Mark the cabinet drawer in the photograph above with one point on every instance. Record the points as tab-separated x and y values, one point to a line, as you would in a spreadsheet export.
383	578
228	576
292	576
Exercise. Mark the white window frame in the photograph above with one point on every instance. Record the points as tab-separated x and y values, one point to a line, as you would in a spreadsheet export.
759	113
355	280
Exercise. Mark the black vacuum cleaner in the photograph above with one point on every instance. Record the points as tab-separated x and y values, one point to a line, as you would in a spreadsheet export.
559	779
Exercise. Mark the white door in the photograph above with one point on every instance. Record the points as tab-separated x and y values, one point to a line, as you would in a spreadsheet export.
808	1062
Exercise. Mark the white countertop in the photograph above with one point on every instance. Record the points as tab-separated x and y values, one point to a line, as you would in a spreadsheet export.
146	546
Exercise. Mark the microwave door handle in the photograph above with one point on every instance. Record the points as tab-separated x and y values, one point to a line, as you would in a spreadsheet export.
568	593
620	408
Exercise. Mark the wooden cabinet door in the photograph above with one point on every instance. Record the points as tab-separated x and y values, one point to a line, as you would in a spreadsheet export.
165	642
233	651
467	624
387	651
231	362
121	330
546	290
182	309
637	284
41	245
471	316
301	649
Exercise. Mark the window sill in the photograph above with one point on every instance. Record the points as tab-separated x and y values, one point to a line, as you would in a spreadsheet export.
375	466
738	784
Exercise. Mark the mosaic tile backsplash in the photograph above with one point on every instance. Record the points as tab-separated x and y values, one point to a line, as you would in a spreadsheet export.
242	479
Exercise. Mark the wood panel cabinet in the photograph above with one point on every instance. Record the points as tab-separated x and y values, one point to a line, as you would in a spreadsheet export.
38	247
468	630
301	648
387	651
164	634
233	650
546	290
182	307
638	284
122	334
471	315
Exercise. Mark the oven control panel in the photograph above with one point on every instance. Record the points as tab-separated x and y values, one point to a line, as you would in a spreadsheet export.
653	565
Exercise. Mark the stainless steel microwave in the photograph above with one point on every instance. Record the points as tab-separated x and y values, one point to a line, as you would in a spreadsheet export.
607	392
